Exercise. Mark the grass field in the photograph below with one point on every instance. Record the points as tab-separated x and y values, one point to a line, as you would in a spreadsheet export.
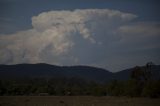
76	101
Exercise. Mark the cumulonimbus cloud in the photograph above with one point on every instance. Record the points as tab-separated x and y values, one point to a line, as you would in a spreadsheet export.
65	37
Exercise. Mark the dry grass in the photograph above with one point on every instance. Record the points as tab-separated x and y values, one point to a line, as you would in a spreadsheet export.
76	101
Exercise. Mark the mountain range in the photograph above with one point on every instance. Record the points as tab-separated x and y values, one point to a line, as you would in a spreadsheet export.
42	70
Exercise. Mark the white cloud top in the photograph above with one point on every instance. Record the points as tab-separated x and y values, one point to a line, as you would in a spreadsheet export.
86	36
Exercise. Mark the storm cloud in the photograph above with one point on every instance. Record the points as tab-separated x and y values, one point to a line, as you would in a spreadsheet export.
98	37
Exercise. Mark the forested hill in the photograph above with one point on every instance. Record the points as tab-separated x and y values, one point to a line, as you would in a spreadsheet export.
126	74
51	71
47	71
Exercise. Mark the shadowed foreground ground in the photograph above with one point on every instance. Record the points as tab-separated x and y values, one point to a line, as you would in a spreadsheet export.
76	101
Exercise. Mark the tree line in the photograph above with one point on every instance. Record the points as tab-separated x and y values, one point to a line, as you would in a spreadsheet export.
140	84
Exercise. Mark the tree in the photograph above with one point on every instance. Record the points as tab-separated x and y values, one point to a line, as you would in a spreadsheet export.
137	73
115	88
142	73
148	71
3	90
151	89
132	88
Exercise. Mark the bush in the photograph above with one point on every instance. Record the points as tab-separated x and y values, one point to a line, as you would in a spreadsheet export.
151	89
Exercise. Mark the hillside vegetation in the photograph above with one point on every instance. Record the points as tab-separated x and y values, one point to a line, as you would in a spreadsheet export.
141	83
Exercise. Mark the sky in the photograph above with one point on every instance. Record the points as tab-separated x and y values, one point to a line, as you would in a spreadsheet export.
111	34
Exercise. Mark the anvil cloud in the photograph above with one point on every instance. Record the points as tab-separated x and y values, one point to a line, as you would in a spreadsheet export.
99	37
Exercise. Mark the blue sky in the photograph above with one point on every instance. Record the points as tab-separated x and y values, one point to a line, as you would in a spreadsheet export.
109	48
